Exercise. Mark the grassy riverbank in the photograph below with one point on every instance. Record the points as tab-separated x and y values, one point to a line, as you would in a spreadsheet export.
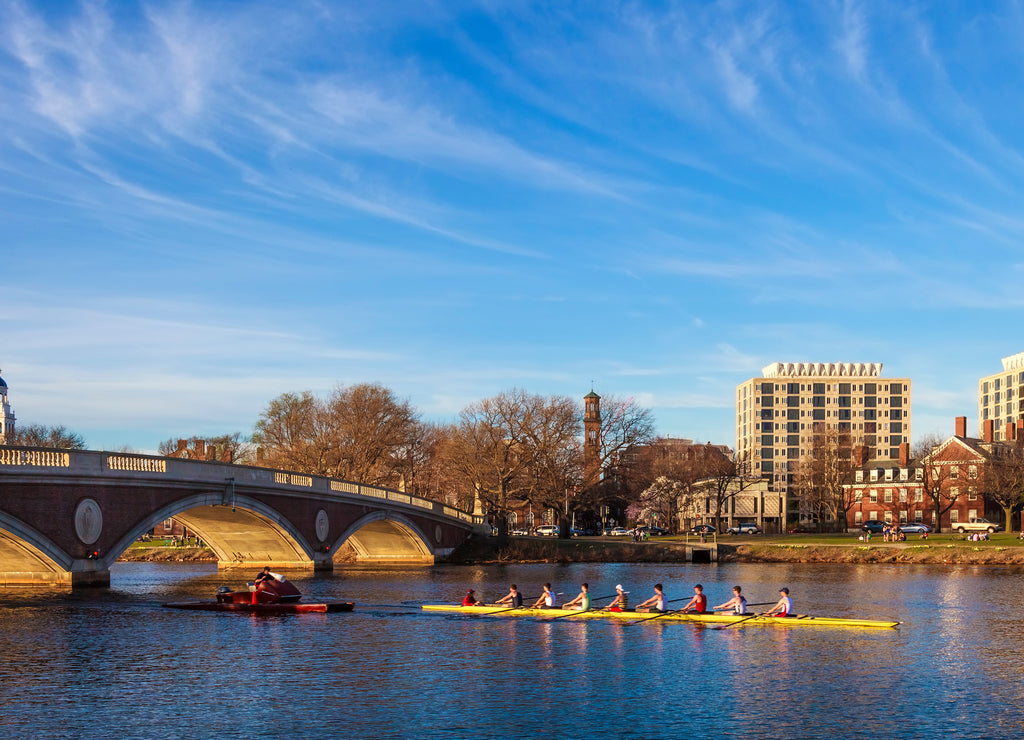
1003	549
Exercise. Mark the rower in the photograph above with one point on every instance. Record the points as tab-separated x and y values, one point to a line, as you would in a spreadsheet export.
581	602
784	607
547	599
621	601
738	602
513	598
469	599
654	604
699	603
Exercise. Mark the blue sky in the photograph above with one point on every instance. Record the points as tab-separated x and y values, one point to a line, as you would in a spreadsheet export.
204	205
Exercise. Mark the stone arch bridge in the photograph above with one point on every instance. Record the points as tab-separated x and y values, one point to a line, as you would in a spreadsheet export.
65	516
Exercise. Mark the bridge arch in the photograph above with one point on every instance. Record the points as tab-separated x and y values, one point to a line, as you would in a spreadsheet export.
244	531
387	536
28	555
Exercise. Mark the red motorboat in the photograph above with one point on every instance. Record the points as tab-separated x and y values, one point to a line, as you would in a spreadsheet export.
272	596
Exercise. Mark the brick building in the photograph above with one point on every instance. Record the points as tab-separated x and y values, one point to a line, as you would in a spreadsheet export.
903	490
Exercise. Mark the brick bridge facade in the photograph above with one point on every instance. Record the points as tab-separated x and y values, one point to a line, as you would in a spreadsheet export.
65	516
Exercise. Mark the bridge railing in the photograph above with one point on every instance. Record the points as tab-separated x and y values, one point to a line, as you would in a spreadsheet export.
21	460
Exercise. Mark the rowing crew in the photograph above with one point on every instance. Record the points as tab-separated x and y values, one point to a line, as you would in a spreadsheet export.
698	604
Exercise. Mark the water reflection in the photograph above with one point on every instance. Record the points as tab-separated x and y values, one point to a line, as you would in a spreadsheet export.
390	671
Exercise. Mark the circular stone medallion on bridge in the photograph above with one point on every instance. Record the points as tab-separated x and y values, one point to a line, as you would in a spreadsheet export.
322	525
88	521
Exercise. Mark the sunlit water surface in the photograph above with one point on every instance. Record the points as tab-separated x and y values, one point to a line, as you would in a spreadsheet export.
114	663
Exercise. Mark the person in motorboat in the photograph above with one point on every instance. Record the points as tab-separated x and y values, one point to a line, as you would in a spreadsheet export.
738	602
654	604
621	601
581	602
699	603
784	607
264	575
546	600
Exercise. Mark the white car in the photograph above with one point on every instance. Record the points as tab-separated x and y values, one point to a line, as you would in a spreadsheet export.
619	532
547	530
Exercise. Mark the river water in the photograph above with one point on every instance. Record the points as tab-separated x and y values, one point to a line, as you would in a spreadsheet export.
114	664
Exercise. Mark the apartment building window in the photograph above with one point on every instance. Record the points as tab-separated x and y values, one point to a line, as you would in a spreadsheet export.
954	472
858	517
918	496
972	472
919	474
917	517
888	517
972	494
888	495
954	492
903	495
972	514
873	496
954	516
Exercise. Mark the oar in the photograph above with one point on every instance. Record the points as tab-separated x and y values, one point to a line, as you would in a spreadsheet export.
512	609
660	614
763	603
738	621
576	614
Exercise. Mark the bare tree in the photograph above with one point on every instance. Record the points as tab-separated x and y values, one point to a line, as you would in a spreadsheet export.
516	448
292	434
935	477
721	480
824	475
38	435
360	433
1004	479
370	432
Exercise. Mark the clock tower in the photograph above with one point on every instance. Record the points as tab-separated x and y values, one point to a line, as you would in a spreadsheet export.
592	439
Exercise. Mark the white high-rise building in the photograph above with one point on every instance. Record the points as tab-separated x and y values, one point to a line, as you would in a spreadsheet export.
1001	399
6	415
778	414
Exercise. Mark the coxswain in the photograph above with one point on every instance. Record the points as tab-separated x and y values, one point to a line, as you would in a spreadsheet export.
784	607
699	603
581	602
654	604
513	598
546	600
738	602
621	601
469	599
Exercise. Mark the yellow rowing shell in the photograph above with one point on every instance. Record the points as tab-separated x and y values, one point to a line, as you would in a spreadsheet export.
795	620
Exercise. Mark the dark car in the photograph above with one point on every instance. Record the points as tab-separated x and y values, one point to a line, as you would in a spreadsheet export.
703	529
874	526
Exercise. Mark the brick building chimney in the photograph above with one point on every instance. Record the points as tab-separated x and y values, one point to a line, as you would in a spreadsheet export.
961	427
989	431
905	454
860	456
1011	432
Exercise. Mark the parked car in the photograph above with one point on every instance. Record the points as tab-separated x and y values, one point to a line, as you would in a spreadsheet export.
977	525
874	526
915	528
520	532
656	531
618	532
703	529
746	528
547	530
